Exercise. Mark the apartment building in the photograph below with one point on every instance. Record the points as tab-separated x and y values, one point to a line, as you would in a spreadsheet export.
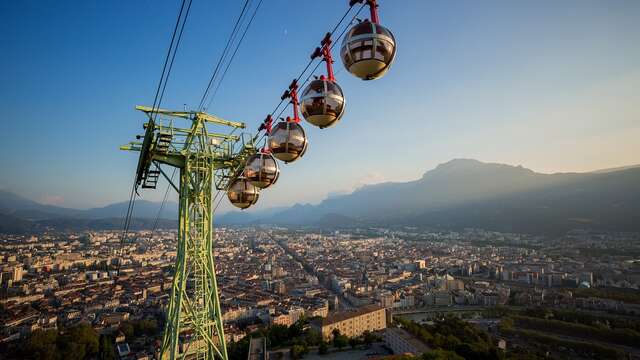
352	323
401	342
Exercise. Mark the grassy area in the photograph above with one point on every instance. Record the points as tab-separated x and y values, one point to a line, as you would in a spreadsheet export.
549	329
581	317
554	343
598	252
630	296
454	338
626	337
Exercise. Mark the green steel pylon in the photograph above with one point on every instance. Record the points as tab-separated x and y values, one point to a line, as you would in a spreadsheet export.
194	328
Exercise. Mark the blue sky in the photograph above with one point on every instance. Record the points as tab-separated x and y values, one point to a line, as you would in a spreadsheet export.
550	85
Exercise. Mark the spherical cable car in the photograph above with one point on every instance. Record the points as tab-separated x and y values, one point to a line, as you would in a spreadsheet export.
242	194
262	169
322	103
288	140
368	49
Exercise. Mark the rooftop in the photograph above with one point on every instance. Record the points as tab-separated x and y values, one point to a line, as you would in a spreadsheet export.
344	315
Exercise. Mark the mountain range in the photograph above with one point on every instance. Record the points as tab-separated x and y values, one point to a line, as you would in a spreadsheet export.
461	193
468	193
19	215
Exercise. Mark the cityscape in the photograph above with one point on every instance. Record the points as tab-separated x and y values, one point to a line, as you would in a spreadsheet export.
275	276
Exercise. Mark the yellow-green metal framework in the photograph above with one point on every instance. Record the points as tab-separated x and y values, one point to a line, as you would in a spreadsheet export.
194	328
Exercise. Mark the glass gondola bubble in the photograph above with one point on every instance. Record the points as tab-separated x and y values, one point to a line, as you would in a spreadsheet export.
322	103
242	194
287	141
369	48
262	170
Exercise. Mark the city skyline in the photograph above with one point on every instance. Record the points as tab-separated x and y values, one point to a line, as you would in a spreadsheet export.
481	81
359	280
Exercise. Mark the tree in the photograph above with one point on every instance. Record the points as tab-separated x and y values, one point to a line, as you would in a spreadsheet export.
84	334
278	335
145	327
323	348
78	342
41	345
127	329
295	330
238	350
450	342
72	351
506	323
107	351
340	341
440	354
313	337
297	351
354	342
369	337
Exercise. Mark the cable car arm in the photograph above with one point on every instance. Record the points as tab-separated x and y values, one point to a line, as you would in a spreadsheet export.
188	115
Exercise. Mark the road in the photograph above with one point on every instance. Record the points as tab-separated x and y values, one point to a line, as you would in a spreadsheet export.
343	304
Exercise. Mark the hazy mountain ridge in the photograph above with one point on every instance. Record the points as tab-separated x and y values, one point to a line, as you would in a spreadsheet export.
20	215
456	182
469	193
457	194
602	201
24	208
